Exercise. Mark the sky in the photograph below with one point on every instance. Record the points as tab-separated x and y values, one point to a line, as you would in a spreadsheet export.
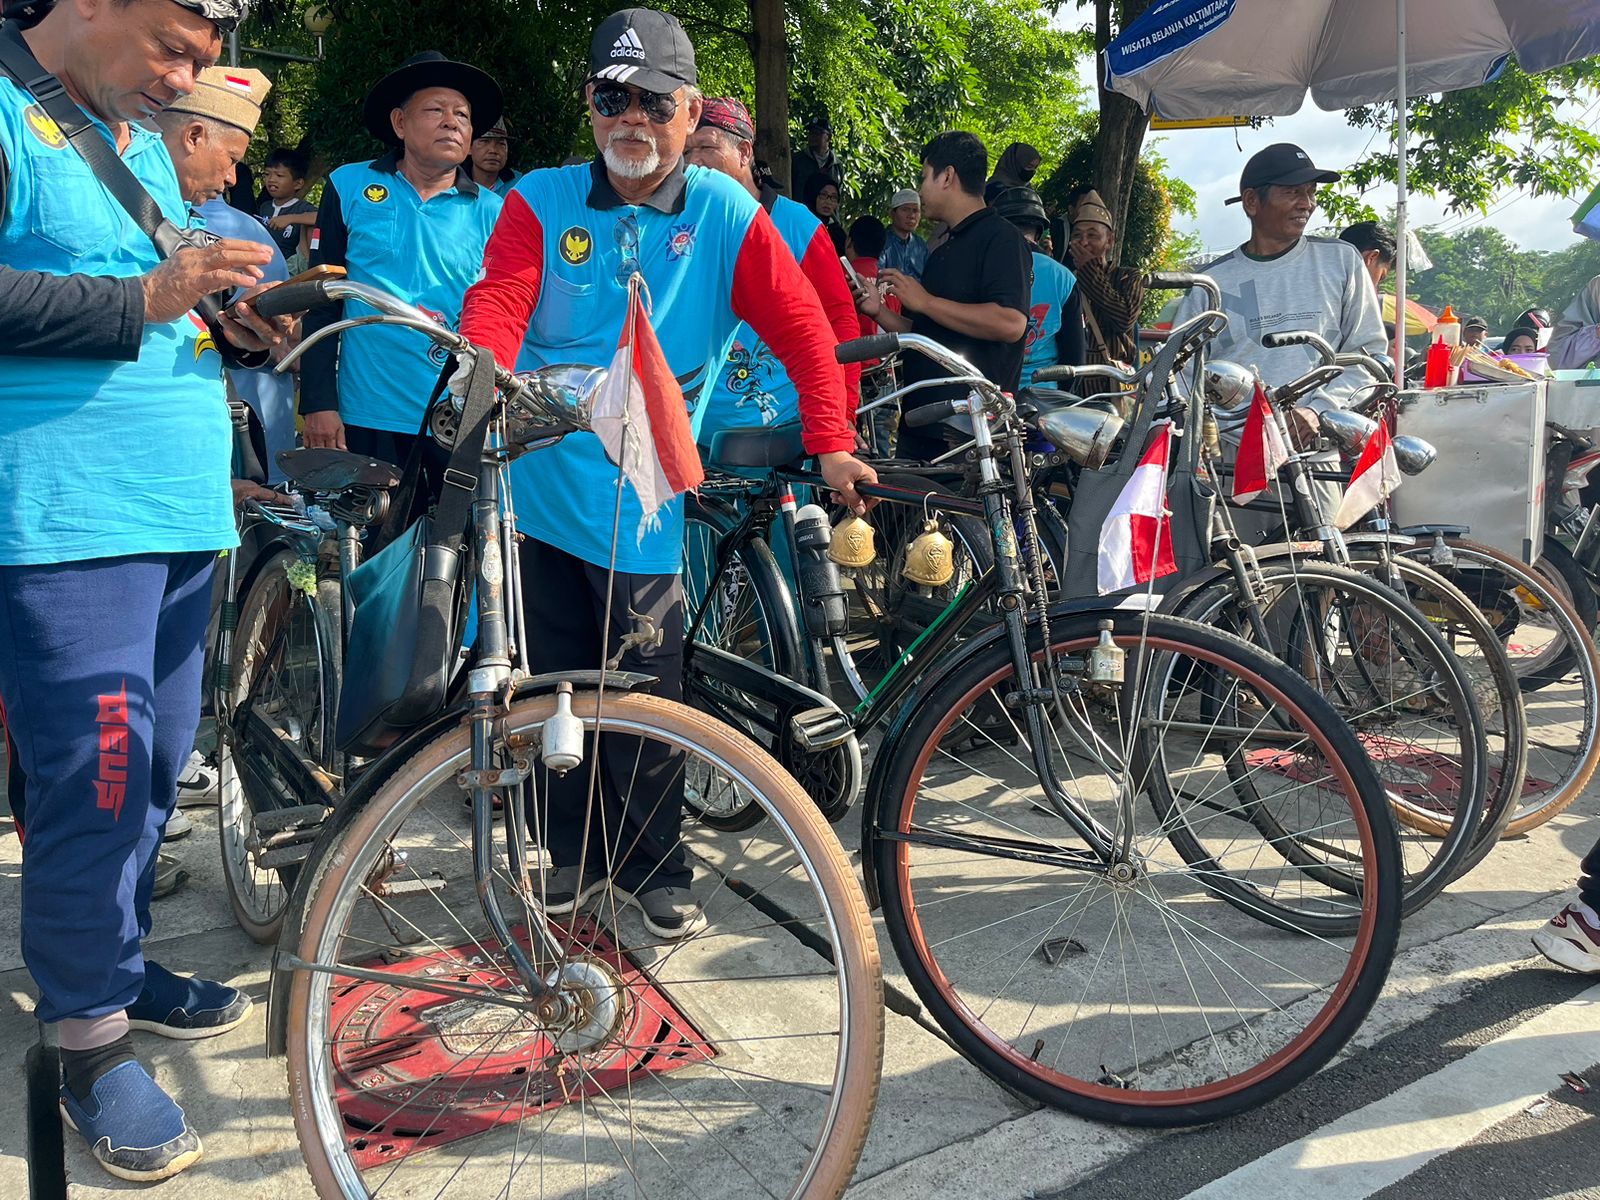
1210	160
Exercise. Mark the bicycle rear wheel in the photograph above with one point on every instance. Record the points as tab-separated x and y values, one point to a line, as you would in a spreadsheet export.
1193	978
1543	635
1390	675
750	615
275	729
741	1060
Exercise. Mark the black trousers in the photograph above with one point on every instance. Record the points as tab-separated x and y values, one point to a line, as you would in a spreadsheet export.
634	830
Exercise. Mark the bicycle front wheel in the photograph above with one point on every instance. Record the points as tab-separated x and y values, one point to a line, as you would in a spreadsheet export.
1193	972
741	1060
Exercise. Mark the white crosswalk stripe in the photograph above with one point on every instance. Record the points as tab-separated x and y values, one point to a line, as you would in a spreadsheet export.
1427	1118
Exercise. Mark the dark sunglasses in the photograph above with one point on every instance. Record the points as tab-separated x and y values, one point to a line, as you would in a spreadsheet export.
612	100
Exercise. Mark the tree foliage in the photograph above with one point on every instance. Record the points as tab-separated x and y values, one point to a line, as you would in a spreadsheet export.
1533	133
1480	270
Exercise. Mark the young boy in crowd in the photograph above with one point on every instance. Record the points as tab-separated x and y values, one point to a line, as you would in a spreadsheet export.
285	212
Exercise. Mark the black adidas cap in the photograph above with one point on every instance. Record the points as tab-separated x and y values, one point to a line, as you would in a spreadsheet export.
644	48
1283	163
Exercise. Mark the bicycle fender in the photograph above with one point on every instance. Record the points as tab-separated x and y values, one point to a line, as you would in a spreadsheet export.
360	795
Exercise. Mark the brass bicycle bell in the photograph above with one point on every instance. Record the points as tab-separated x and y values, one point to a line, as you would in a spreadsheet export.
852	543
928	559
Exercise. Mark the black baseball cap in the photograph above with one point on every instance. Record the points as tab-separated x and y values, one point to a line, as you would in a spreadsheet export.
1283	163
1474	323
644	48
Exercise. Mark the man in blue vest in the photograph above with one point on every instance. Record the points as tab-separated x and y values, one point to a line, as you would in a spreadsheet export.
114	500
754	389
556	289
1049	341
413	223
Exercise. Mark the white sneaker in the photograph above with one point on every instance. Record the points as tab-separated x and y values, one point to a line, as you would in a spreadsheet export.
1572	939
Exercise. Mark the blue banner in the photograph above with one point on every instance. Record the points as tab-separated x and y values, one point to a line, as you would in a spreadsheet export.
1165	28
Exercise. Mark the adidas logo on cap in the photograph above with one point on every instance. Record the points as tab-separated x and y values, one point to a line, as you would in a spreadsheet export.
627	46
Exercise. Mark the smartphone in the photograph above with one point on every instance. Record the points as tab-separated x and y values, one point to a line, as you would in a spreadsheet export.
850	273
324	271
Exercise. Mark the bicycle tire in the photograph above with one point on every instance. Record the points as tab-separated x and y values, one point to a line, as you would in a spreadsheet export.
1560	764
1381	686
843	940
1099	1034
757	611
259	897
1566	577
1480	652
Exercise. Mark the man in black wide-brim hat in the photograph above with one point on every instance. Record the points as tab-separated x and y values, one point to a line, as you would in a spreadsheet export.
413	223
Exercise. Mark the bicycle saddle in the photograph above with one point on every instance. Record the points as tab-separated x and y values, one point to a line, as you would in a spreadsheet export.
324	470
767	446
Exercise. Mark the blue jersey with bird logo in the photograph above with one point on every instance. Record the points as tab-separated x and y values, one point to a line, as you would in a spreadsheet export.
753	388
99	458
425	252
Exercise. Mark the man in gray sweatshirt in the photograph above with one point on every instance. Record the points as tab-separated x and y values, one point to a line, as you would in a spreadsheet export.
1281	280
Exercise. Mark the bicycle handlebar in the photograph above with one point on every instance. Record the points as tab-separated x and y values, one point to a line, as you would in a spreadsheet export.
1182	281
292	298
932	414
877	345
1301	337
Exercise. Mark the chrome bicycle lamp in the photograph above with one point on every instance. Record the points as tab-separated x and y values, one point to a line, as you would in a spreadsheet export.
1228	387
1085	433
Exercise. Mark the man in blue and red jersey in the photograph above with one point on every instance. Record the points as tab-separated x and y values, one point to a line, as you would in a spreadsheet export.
555	289
753	388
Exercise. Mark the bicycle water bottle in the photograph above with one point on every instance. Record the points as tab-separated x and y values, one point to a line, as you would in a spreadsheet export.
821	593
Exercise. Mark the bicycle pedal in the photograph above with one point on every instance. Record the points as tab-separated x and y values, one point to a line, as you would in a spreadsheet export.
821	728
283	856
280	820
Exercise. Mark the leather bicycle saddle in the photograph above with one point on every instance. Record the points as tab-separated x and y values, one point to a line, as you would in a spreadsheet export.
764	446
323	470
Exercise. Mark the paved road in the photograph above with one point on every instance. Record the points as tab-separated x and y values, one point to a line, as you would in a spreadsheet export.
1451	1089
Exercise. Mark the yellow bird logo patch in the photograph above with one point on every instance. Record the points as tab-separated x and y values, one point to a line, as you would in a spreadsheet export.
43	127
203	340
576	245
376	192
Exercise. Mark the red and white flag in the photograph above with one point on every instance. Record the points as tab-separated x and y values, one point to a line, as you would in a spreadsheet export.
1261	451
1136	539
1377	474
643	422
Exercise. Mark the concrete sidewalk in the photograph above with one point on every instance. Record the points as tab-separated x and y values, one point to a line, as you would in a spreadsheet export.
940	1128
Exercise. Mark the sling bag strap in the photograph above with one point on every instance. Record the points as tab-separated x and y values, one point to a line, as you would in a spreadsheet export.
460	481
19	63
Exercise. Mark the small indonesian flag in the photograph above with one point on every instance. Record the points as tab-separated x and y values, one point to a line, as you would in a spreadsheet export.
238	83
1261	451
316	237
643	422
1136	539
1377	474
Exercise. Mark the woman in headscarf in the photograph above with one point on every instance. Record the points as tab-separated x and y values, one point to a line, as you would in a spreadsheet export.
821	196
1016	167
1576	340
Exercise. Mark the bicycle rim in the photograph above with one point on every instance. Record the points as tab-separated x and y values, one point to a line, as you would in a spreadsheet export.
1202	985
1563	712
1390	676
740	1061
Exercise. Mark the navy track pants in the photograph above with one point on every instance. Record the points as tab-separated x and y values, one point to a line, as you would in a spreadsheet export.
100	675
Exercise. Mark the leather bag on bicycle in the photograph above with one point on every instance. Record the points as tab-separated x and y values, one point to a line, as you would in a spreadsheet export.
1189	498
411	596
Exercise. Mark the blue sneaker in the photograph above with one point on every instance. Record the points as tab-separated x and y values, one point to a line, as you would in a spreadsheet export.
185	1009
134	1129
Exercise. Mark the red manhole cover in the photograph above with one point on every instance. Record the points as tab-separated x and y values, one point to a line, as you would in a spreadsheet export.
414	1070
1422	777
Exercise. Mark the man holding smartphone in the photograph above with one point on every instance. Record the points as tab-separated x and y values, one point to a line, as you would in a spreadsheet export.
114	501
754	388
